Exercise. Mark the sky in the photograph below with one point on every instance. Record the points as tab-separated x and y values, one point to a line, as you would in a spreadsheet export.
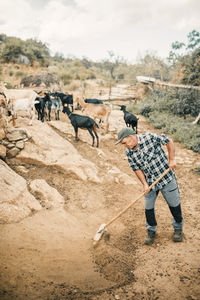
91	28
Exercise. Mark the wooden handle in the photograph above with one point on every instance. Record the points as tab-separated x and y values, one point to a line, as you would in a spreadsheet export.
125	209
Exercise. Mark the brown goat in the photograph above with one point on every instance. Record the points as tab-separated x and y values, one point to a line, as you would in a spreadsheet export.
96	111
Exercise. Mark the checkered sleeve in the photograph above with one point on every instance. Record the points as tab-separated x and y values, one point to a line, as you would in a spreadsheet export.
131	161
160	138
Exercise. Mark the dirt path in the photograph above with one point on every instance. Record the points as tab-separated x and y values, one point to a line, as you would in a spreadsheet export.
50	254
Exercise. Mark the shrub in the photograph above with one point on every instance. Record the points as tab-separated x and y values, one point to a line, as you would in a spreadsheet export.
168	111
66	78
145	110
20	74
182	130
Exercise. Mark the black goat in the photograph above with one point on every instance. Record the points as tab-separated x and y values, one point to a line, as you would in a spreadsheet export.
41	103
82	122
65	99
94	101
129	118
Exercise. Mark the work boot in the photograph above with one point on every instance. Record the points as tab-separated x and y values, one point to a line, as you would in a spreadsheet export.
150	237
178	235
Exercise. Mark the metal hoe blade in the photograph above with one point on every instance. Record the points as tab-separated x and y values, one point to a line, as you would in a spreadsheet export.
100	232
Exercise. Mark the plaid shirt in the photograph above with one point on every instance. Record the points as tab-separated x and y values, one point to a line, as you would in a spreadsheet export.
150	158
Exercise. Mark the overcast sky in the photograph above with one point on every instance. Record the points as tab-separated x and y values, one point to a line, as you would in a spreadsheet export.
91	28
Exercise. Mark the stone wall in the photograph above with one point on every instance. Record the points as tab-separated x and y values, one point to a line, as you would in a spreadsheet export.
12	141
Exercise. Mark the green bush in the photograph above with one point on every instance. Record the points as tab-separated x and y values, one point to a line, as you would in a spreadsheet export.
145	110
171	112
182	130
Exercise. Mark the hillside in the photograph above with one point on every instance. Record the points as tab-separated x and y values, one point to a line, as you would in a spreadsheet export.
49	254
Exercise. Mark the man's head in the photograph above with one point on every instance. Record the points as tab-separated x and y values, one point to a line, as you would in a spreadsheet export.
127	137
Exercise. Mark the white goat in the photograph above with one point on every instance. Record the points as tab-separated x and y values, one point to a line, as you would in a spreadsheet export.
96	111
20	100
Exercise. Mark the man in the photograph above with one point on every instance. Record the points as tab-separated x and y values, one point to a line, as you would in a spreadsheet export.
149	161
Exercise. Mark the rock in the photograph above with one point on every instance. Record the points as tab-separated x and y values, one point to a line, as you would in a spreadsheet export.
17	134
84	205
2	134
49	148
2	151
5	143
12	152
16	203
21	169
49	197
20	145
24	60
3	123
10	145
116	180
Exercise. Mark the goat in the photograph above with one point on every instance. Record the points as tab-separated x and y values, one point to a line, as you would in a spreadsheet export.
94	101
42	103
65	99
129	118
83	122
20	100
55	104
100	111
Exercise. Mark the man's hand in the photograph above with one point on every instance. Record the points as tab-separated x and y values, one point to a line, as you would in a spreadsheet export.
146	189
172	164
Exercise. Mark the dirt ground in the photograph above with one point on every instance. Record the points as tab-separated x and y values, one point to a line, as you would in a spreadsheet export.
50	255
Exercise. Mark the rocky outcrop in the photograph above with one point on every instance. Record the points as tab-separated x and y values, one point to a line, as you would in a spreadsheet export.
47	148
16	202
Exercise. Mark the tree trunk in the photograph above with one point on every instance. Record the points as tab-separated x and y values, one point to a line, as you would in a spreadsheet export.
197	119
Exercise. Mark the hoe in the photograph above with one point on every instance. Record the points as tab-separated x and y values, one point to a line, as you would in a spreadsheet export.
103	227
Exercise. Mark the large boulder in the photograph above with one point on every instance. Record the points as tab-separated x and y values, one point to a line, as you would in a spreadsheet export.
16	202
48	148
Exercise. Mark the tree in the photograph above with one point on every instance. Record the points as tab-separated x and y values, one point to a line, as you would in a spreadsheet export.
194	39
191	67
153	66
185	59
180	49
11	49
37	51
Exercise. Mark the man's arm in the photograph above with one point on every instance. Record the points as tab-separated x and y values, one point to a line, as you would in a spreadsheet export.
171	154
142	179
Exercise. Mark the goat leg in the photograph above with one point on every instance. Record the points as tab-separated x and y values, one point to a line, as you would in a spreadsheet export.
76	134
97	139
90	131
42	115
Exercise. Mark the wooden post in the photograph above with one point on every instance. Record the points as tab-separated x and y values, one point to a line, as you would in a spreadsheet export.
110	91
83	89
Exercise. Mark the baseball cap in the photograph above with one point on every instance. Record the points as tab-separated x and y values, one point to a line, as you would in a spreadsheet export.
124	132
